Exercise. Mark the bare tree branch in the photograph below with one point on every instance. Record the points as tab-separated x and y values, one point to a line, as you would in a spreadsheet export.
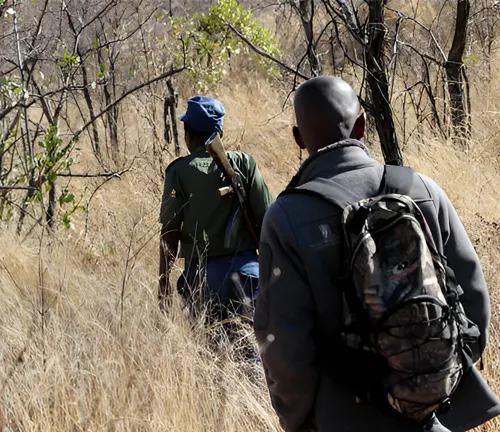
11	188
36	97
428	30
116	174
421	54
164	75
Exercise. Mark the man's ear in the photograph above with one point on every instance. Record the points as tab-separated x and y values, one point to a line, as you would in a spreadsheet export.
359	126
298	137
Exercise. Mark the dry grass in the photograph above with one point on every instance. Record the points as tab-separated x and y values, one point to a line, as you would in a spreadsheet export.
72	359
91	368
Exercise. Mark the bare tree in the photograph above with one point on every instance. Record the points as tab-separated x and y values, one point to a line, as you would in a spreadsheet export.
55	70
455	70
485	27
379	85
305	10
171	132
371	37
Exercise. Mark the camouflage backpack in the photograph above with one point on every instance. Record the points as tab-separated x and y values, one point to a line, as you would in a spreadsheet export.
401	300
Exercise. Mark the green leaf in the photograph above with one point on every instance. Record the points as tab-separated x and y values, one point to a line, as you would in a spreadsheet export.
473	58
66	220
65	199
68	60
52	176
209	42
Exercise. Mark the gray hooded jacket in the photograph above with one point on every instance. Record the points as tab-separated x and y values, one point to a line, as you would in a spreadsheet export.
300	300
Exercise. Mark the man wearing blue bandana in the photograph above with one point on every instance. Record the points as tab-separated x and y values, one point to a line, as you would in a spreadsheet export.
223	271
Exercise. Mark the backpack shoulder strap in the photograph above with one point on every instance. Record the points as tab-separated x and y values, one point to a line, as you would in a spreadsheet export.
397	180
326	189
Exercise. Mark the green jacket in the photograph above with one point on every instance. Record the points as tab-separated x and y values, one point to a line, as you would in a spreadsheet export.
192	203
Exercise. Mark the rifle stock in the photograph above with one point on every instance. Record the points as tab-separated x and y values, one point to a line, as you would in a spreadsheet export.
216	150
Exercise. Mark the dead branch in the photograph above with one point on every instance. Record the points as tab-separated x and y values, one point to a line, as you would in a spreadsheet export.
428	30
10	188
348	18
117	174
138	87
36	97
421	54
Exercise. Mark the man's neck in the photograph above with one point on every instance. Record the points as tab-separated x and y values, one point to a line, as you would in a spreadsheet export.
196	148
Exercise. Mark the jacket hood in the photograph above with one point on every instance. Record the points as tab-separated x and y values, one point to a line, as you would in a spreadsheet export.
332	158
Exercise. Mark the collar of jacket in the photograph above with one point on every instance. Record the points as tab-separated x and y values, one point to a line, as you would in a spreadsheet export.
326	150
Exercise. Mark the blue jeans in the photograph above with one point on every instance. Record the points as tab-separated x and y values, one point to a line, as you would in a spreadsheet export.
226	284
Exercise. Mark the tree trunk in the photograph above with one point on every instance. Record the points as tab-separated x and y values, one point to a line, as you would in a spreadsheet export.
27	141
345	7
170	118
96	145
113	114
379	86
454	65
306	9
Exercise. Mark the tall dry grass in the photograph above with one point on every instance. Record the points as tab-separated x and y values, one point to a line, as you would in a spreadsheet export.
84	347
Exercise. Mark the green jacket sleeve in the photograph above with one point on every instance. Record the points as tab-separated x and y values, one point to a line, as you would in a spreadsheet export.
172	202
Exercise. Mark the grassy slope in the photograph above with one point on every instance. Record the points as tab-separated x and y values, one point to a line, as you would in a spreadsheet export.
95	367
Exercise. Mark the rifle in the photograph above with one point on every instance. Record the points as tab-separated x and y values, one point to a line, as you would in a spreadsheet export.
216	150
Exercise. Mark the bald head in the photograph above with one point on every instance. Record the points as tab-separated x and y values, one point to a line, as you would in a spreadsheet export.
327	111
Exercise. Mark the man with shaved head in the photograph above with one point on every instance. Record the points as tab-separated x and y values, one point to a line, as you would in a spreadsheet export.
313	385
327	111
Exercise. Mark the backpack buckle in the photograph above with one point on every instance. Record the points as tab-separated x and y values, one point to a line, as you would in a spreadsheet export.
444	407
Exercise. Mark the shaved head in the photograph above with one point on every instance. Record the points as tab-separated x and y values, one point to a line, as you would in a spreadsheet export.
327	111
